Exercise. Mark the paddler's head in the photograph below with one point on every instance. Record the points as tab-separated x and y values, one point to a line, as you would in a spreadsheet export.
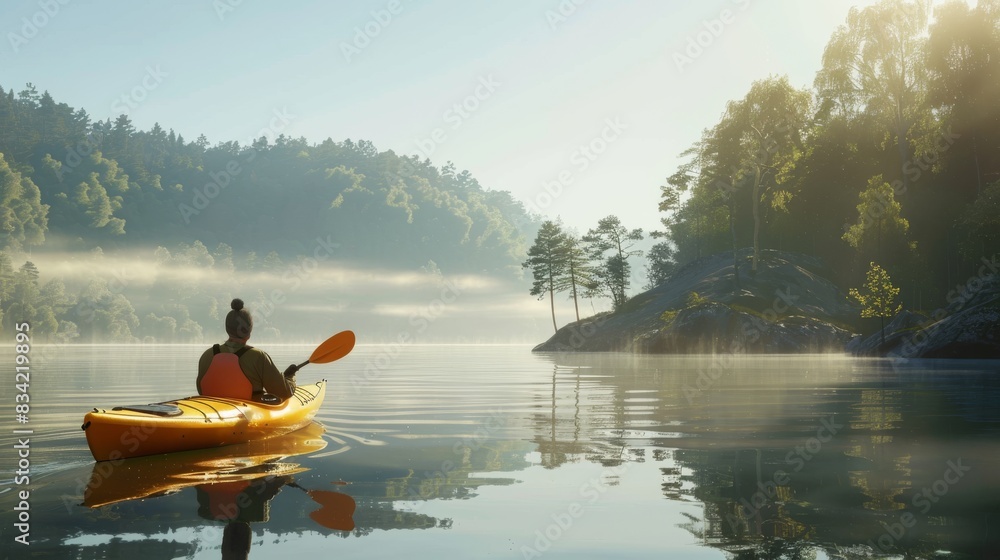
236	538
239	323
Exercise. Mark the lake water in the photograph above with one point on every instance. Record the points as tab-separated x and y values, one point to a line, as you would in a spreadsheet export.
491	451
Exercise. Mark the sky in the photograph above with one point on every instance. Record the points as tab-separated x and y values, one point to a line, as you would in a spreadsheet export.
579	108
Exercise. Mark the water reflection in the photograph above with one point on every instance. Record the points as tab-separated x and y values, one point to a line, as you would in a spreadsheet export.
876	461
488	450
233	466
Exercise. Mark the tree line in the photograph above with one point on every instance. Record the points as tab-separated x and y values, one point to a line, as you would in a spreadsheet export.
82	184
889	162
893	155
594	265
92	307
69	183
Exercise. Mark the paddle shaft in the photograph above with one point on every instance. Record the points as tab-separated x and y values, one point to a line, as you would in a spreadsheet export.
333	348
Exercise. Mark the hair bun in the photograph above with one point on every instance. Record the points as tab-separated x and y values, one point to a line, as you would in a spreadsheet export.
237	304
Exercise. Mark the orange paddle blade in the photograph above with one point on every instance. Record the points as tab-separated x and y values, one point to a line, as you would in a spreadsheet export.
334	348
337	512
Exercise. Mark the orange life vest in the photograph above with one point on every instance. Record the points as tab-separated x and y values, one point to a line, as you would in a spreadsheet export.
224	377
224	498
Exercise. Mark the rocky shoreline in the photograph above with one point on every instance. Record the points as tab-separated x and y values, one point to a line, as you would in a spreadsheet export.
788	306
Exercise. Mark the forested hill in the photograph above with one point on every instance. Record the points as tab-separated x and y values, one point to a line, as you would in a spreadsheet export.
109	185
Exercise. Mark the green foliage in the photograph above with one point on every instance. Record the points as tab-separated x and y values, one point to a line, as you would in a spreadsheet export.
668	317
23	217
892	150
547	260
770	124
980	224
695	299
878	297
875	66
878	214
579	277
23	298
109	184
610	245
92	201
661	264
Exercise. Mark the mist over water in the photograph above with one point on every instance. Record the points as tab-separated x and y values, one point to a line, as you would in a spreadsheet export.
304	300
484	451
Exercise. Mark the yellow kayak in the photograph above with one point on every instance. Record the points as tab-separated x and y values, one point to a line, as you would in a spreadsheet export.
197	422
158	475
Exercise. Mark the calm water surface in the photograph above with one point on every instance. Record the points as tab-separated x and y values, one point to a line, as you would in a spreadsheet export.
490	451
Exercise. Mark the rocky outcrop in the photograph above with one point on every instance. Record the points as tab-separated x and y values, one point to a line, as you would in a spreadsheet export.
715	327
969	327
788	306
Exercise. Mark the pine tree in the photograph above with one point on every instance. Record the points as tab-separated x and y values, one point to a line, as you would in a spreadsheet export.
613	274
547	260
579	273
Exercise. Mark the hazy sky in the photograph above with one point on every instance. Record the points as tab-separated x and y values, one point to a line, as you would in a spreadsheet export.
510	90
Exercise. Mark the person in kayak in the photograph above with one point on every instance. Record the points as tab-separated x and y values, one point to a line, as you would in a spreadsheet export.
236	370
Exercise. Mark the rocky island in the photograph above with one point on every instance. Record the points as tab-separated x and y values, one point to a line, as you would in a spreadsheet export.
788	306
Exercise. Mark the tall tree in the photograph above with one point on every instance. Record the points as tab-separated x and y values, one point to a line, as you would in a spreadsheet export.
611	244
716	170
579	275
547	261
963	51
661	264
770	120
874	67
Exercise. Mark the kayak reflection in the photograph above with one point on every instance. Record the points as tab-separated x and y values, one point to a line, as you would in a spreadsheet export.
233	484
144	477
241	502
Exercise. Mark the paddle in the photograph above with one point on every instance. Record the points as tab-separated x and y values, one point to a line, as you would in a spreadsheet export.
336	511
334	348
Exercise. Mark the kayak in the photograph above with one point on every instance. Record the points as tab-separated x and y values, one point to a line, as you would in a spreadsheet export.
158	475
196	422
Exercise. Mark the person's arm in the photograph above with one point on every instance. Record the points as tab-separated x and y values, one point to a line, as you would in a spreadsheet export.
273	380
203	363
